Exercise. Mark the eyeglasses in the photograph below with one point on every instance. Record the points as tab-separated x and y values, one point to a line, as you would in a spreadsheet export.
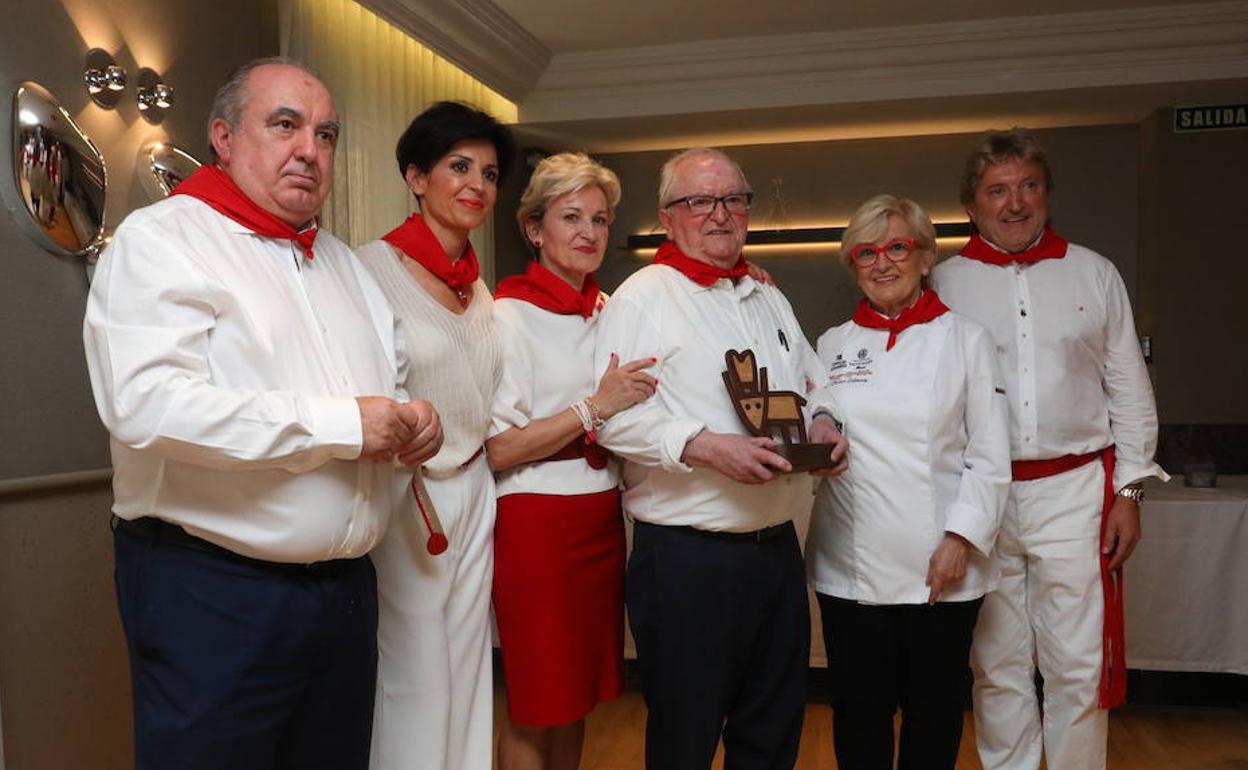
734	203
897	250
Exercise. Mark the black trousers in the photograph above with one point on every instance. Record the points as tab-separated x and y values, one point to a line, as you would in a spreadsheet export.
722	628
244	664
908	656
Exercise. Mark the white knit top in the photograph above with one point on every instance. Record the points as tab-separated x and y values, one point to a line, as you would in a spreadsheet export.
456	360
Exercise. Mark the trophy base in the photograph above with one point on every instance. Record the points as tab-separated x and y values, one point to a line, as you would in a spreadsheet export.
806	457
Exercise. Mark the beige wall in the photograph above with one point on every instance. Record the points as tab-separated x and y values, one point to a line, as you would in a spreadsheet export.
64	681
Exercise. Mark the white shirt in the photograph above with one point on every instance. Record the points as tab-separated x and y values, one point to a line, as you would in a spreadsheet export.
659	312
1066	347
226	365
930	454
456	358
548	362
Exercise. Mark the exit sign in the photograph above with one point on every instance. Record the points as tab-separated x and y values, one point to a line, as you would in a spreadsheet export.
1213	118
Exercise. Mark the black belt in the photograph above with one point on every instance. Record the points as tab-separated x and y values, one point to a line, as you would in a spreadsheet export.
756	536
156	530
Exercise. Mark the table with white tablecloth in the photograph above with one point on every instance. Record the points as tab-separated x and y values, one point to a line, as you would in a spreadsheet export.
1187	582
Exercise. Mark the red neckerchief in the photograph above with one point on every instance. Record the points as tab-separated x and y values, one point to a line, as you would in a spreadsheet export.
417	241
1050	246
925	309
539	286
695	270
213	186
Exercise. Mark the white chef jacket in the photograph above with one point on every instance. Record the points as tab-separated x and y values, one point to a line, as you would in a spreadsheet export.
225	365
548	363
929	447
1066	346
659	312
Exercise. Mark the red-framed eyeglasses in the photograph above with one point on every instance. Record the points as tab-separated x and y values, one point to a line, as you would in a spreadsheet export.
897	250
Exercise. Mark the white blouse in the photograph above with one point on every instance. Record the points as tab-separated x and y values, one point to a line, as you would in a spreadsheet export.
929	454
548	362
456	358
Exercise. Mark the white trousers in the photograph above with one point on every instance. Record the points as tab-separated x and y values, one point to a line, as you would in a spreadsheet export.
1047	611
435	699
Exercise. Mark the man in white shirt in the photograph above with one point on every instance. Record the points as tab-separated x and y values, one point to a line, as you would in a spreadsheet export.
715	586
1083	430
247	369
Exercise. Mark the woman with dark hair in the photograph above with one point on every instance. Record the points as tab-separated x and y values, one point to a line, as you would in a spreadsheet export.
435	683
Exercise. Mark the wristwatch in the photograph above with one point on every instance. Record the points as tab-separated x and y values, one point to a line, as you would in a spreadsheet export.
1133	492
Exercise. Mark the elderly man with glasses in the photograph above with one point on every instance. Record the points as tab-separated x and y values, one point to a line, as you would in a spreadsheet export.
715	585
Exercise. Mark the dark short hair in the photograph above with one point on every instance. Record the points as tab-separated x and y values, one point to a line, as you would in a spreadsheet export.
998	147
433	133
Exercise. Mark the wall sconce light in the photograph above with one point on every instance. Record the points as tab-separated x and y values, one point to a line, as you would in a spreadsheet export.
155	97
104	78
799	235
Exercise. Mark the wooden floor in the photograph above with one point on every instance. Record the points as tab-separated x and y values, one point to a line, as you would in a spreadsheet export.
1140	738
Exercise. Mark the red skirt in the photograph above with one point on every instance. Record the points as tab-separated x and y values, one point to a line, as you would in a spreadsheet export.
559	601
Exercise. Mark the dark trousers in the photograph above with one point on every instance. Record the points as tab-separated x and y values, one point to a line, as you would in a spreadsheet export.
242	664
885	657
722	628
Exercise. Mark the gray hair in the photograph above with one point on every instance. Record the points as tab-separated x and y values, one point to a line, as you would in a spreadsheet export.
667	176
231	97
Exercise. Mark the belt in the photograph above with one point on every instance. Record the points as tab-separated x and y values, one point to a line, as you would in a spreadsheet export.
756	536
579	448
156	530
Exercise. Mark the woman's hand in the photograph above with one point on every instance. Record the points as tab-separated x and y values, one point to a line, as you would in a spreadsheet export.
758	273
623	386
947	565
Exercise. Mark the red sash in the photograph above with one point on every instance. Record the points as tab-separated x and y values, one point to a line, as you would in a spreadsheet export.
577	448
1113	689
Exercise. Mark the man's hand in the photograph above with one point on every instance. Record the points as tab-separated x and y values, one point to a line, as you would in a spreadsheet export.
383	427
426	429
823	431
746	459
947	565
1122	531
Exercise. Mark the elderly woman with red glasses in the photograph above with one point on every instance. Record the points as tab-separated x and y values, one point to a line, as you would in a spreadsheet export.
899	544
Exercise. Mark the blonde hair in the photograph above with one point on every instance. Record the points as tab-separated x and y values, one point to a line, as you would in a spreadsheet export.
563	174
870	222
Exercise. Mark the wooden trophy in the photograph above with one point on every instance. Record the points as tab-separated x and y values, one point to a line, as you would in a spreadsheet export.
765	412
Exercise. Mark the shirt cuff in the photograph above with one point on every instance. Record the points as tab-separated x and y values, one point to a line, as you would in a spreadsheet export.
677	434
971	524
337	425
1125	473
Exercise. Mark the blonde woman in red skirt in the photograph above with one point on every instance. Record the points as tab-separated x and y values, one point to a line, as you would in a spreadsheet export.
559	537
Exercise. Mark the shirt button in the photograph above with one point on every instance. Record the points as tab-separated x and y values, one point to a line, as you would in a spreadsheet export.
1026	403
344	380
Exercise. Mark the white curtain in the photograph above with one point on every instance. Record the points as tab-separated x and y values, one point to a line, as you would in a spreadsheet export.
380	79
